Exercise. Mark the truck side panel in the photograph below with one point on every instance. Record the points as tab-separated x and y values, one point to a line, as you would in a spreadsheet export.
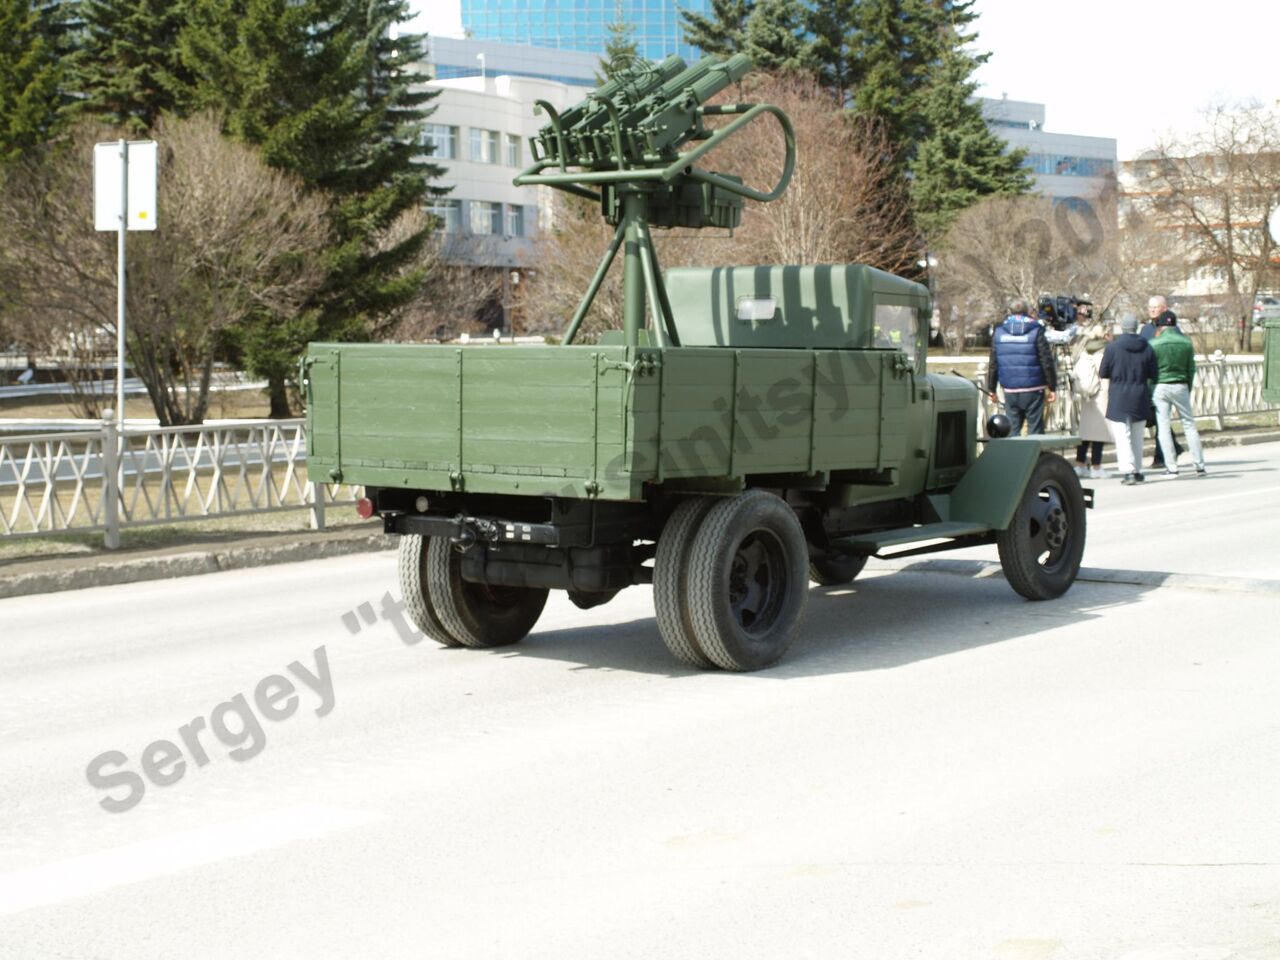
599	421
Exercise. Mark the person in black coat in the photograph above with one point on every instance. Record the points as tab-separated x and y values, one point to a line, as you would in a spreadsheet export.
1129	363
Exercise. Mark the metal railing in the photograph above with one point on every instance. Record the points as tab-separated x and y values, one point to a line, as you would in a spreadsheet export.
107	479
1225	386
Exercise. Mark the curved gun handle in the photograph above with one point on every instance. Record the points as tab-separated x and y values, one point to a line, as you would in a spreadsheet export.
555	125
685	163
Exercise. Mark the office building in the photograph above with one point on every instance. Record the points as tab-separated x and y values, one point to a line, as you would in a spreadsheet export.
583	25
480	133
1065	165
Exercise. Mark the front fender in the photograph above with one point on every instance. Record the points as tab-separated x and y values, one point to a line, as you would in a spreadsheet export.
992	488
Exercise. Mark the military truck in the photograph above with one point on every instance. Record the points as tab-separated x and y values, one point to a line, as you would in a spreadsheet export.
749	430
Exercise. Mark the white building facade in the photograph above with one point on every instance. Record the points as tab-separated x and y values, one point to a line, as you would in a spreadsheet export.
480	133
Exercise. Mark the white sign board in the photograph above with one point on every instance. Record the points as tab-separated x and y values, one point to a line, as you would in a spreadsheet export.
1274	224
108	185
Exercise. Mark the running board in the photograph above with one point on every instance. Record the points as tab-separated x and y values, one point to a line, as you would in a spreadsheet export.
901	536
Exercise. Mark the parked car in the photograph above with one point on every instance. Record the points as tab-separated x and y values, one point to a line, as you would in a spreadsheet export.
1264	309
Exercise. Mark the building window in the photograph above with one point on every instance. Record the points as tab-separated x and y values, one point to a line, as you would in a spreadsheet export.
448	215
513	150
484	146
442	139
1068	166
515	220
486	218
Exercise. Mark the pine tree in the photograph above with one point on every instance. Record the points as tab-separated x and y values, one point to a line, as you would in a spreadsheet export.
620	51
775	38
898	45
832	25
128	68
328	94
724	31
33	47
961	160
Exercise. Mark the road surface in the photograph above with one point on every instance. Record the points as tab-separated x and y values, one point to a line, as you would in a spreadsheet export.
939	769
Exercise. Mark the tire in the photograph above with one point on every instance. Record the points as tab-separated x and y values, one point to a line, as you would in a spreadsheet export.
479	615
1044	543
412	562
747	581
835	569
670	575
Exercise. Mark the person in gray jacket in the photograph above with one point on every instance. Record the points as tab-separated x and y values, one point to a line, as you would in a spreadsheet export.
1129	363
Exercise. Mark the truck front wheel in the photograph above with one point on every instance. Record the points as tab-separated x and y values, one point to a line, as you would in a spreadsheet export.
747	581
478	614
1041	549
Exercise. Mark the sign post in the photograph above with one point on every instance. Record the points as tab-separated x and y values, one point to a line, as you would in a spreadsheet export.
124	199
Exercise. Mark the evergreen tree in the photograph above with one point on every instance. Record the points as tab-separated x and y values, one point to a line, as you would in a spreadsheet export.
33	47
832	25
329	94
724	31
620	50
960	160
775	38
128	69
898	45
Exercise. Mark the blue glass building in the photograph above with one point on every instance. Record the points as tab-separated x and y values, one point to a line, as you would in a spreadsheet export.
583	24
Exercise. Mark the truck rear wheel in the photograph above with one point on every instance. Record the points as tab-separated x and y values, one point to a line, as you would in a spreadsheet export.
1044	543
835	569
747	581
413	587
670	576
478	614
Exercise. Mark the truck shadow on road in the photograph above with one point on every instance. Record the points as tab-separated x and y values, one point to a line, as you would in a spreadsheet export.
872	624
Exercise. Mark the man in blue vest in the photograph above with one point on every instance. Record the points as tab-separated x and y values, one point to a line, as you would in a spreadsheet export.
1021	362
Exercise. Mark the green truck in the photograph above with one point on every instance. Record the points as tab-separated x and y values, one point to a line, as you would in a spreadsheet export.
750	429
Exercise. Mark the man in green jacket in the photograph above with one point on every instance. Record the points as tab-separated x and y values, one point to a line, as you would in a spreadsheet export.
1176	357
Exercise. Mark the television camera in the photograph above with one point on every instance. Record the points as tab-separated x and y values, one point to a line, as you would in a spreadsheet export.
1062	312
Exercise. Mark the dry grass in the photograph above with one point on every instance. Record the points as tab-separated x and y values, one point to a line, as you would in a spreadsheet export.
223	405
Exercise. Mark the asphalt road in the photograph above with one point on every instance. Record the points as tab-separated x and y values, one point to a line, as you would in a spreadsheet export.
938	770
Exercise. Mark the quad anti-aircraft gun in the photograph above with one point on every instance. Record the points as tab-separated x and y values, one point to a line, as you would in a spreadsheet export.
621	147
749	430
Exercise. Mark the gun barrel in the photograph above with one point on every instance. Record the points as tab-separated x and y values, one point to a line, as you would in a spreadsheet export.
580	121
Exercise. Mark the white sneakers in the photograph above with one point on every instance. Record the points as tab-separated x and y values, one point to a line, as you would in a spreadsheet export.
1094	473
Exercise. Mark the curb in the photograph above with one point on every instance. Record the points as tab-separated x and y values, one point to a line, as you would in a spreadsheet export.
188	564
982	569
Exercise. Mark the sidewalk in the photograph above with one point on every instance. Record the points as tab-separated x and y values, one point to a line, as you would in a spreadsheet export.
49	575
21	577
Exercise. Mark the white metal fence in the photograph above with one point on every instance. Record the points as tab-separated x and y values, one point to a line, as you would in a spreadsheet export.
1225	386
105	480
108	479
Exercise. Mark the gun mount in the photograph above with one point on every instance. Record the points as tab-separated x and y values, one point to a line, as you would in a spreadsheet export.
621	147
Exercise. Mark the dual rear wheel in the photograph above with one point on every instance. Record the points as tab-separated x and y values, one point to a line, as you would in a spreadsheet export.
457	612
730	581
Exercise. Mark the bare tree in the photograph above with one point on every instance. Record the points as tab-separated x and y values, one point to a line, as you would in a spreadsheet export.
234	238
844	205
1216	190
1003	248
455	293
